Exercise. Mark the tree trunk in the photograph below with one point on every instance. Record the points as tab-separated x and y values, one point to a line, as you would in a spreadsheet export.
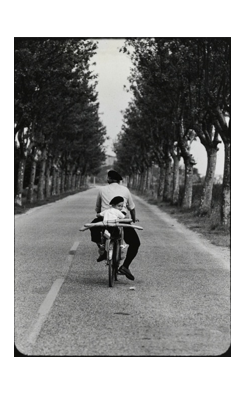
30	196
42	177
175	192
184	144
149	179
145	186
226	187
141	183
69	181
161	182
47	179
77	181
206	198
187	198
53	185
134	182
62	181
80	180
167	193
73	182
128	181
224	129
58	182
144	181
67	172
83	179
21	173
66	181
73	178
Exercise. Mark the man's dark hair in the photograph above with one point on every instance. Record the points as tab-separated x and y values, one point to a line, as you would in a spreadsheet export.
114	175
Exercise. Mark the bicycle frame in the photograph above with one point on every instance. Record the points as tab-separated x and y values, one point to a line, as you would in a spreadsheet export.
112	247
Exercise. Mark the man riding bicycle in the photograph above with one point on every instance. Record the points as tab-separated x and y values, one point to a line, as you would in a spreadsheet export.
105	195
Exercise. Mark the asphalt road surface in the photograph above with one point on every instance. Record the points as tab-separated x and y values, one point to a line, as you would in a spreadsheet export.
180	304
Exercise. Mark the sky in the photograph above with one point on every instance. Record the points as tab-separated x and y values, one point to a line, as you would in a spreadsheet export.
113	68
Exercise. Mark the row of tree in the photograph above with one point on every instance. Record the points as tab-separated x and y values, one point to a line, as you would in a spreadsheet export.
57	127
181	91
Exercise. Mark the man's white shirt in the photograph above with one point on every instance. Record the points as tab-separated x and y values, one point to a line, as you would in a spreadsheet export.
108	192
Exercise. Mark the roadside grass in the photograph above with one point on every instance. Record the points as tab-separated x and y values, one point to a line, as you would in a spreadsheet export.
208	225
27	206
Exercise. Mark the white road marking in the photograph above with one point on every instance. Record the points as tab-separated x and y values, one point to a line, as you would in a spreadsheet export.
74	248
44	310
48	302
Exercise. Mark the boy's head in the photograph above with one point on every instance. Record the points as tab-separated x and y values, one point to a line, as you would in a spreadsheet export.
117	202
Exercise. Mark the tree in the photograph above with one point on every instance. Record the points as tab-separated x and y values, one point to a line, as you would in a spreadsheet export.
202	81
182	90
157	89
55	107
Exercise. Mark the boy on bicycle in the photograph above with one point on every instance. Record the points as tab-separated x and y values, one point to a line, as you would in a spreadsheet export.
112	215
115	211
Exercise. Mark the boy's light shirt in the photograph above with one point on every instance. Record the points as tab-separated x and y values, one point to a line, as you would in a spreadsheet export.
111	214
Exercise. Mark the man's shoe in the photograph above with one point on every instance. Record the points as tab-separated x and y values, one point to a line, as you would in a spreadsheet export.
101	249
124	270
102	257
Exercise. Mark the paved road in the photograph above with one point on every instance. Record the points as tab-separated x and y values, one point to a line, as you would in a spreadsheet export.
63	306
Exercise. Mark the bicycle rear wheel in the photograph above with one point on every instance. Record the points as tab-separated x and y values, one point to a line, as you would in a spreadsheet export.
116	259
110	262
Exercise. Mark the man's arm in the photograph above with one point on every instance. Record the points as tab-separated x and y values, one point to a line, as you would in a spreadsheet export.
133	214
130	204
98	203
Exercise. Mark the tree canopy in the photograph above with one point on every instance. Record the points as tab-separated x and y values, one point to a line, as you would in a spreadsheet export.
56	107
181	91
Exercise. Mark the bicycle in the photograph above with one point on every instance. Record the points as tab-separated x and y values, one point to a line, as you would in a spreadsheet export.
112	236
